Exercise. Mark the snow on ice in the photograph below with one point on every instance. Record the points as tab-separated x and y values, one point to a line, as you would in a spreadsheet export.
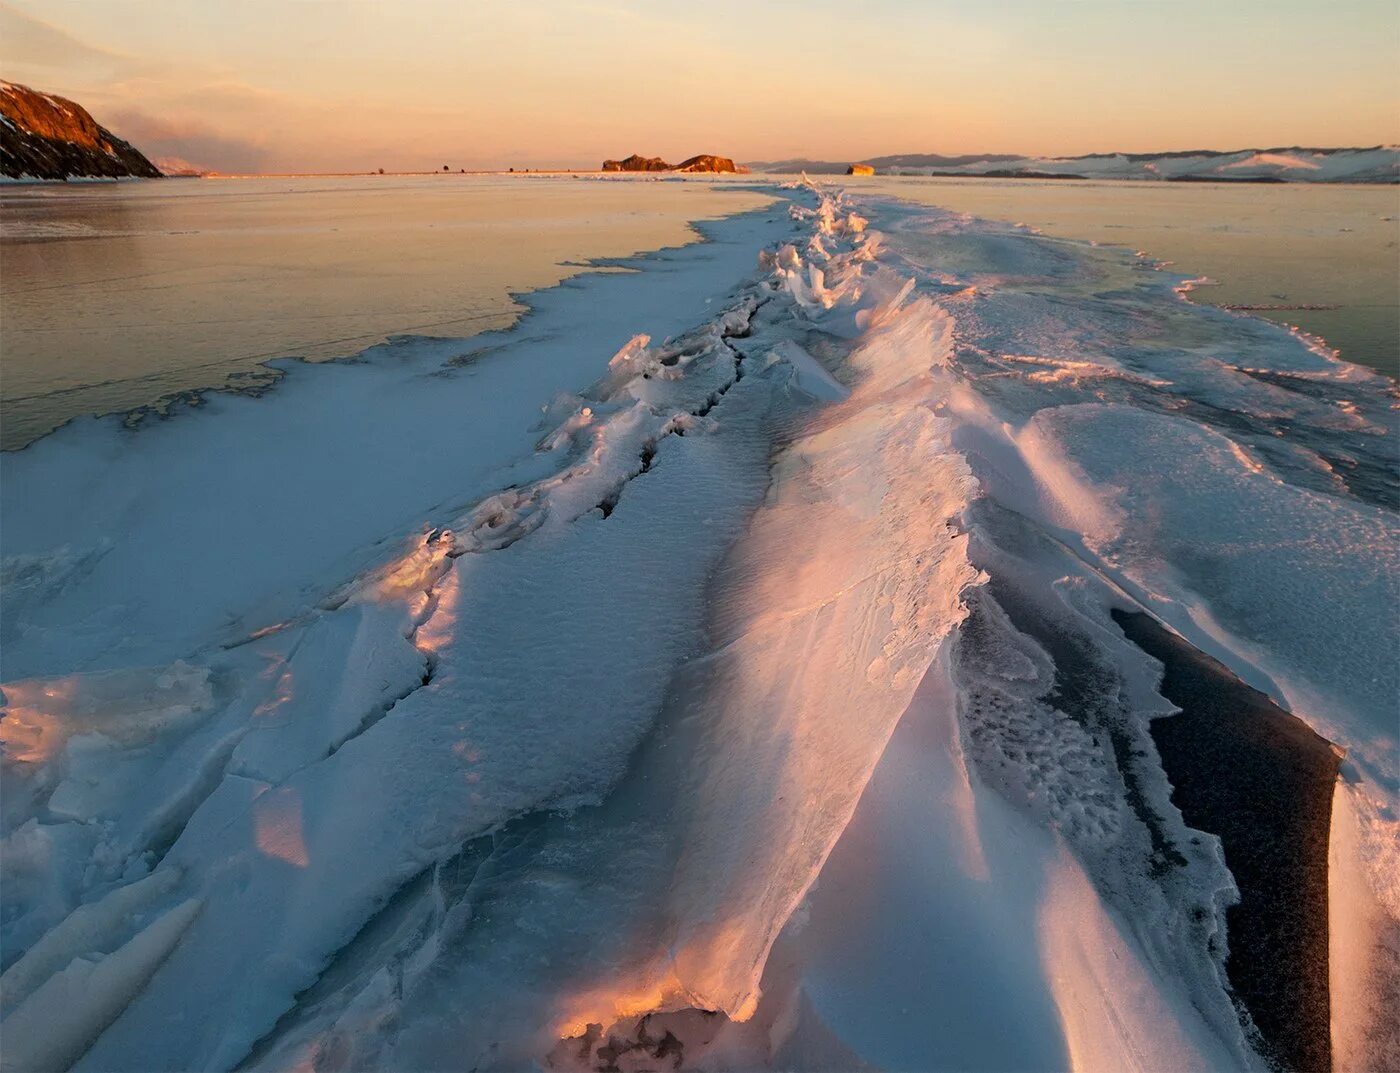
506	704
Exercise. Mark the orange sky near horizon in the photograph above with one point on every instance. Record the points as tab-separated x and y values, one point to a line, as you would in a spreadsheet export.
354	85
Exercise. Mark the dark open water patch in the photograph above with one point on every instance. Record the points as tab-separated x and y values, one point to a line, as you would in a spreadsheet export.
1244	769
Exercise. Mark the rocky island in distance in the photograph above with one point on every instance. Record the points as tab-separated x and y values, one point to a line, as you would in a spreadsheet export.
703	162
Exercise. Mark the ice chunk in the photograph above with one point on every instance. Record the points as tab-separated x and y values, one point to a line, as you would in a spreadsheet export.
351	665
59	1021
89	928
808	374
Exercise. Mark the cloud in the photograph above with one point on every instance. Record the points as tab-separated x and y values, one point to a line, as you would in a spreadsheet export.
193	145
106	82
33	50
174	165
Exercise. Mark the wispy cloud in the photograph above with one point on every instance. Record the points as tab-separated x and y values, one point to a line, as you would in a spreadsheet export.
34	50
193	144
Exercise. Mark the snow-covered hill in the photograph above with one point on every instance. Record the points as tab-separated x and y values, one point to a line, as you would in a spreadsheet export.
1376	164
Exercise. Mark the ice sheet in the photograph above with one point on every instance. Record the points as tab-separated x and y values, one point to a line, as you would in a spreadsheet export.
549	697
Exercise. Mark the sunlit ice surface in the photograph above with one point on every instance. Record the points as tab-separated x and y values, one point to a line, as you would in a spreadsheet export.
715	671
1317	256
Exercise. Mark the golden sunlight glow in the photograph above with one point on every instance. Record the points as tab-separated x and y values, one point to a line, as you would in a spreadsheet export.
33	730
277	826
281	695
414	572
608	1005
437	632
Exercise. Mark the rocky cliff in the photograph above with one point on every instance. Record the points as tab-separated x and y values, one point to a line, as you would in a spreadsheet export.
637	162
703	162
46	137
706	162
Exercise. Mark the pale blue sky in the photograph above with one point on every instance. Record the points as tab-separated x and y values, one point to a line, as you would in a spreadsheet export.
353	84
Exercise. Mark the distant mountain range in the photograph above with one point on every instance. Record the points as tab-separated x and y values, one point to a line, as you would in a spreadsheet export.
47	137
1376	164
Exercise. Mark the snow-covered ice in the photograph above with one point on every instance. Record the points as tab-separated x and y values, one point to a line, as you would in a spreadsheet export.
713	671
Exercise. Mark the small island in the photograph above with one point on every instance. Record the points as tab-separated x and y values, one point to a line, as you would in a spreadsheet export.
704	162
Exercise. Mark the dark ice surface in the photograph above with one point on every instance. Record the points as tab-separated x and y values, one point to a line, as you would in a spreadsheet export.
1244	769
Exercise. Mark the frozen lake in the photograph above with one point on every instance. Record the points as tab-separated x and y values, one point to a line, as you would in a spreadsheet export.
1260	245
722	664
116	294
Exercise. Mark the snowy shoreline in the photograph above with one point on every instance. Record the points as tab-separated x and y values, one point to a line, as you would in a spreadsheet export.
384	721
149	390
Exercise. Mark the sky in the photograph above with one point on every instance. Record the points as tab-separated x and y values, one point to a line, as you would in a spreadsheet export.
355	85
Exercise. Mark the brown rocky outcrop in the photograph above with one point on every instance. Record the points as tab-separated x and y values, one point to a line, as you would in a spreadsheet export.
47	137
707	162
703	162
637	162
